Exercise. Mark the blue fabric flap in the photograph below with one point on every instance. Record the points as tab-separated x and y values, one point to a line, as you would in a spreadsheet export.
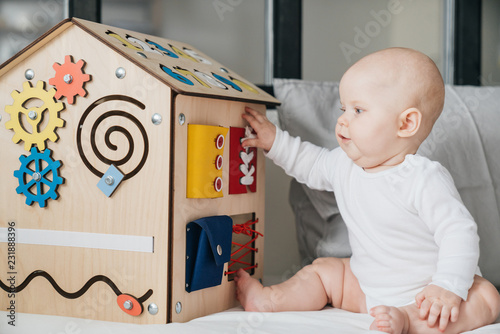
208	247
219	230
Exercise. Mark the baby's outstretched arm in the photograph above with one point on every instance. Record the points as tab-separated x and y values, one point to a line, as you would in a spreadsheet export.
436	303
265	130
302	160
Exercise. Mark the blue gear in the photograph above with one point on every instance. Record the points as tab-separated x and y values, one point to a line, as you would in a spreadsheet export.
38	177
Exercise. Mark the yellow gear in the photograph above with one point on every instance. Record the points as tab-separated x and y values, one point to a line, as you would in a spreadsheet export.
34	115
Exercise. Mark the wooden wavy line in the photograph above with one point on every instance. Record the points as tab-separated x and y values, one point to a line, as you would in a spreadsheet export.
70	295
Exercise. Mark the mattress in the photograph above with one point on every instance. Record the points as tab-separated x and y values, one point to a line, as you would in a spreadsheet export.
328	320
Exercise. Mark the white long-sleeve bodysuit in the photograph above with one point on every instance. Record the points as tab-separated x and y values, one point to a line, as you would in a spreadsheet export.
407	225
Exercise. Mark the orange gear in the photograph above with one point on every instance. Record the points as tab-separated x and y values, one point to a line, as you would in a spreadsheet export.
69	79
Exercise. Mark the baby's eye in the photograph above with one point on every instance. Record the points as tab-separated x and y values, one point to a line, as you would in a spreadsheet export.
358	111
342	109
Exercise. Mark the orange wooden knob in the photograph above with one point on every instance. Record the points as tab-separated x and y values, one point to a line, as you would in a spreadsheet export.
129	304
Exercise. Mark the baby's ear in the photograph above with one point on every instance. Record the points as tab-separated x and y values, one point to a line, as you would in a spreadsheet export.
409	122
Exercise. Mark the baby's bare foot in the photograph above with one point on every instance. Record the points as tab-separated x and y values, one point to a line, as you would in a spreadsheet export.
389	319
251	294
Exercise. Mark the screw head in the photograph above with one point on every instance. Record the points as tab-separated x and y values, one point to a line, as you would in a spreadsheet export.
128	305
0	118
156	119
178	307
36	176
222	69
32	115
153	309
182	119
109	180
120	73
29	74
219	250
68	79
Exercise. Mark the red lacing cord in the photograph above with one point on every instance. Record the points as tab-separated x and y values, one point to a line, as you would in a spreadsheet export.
245	229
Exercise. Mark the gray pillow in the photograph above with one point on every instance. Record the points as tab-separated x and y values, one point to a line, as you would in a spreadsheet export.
310	110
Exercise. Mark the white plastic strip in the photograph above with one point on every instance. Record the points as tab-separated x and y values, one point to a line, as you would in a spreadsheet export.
119	242
269	40
449	41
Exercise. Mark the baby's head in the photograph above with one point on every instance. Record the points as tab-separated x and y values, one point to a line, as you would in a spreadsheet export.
391	100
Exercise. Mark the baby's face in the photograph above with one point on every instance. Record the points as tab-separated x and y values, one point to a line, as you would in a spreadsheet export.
368	129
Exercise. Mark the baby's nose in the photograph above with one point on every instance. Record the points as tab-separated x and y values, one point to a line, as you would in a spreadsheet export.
342	120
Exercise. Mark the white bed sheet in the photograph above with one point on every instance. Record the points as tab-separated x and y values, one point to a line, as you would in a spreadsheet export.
328	320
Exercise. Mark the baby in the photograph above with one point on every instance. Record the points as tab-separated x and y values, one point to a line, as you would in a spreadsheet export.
415	248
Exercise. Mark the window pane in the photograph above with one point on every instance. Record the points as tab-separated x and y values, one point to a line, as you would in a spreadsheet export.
490	53
338	33
231	32
21	22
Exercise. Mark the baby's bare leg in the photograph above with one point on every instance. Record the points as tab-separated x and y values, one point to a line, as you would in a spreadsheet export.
481	308
325	281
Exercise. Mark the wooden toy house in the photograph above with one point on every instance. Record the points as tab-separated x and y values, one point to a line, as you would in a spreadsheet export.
125	193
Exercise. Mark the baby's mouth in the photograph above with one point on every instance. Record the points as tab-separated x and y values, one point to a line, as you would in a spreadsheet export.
344	139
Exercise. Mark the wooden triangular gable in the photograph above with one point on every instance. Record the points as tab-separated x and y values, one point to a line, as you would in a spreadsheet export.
179	65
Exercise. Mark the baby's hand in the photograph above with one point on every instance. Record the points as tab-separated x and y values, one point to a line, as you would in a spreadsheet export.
435	302
265	130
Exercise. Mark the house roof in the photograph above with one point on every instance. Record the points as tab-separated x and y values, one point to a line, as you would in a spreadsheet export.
180	66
